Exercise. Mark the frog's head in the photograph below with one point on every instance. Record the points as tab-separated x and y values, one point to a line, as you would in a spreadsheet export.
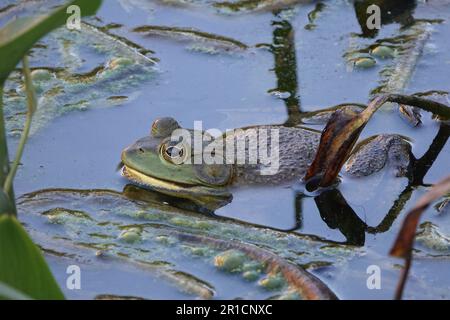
165	163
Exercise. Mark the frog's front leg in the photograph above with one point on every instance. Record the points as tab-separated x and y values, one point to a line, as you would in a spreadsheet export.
378	152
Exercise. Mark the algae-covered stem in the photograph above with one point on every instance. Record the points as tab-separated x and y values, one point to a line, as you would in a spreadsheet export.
307	285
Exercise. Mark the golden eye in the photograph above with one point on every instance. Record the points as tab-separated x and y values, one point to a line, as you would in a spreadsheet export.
172	154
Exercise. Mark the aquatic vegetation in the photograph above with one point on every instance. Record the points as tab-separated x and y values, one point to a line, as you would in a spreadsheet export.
383	52
230	261
364	62
199	40
112	297
63	85
130	235
251	275
272	282
140	233
254	5
234	7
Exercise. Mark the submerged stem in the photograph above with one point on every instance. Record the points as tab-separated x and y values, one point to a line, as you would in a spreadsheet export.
403	278
31	101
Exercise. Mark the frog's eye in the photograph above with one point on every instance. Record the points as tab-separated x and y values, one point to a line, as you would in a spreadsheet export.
174	154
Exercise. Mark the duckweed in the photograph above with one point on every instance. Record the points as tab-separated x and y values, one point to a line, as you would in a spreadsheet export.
165	240
383	52
272	282
130	235
39	75
62	216
364	62
120	62
181	222
197	251
204	225
230	261
253	266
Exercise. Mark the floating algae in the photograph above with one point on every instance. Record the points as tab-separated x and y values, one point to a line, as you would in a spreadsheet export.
244	6
199	40
251	253
272	282
72	80
383	52
364	62
251	275
234	7
130	235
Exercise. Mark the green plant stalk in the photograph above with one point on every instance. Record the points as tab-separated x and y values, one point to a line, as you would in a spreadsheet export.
31	101
4	159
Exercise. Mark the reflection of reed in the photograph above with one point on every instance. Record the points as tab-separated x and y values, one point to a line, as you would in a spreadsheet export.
283	49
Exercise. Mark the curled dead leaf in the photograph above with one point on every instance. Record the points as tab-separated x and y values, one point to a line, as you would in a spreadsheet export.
337	140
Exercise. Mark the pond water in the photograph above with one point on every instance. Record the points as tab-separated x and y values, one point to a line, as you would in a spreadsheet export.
227	87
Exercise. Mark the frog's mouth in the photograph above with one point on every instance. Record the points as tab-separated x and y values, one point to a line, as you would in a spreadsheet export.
209	197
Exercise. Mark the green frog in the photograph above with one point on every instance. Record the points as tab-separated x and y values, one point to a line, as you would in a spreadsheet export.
154	160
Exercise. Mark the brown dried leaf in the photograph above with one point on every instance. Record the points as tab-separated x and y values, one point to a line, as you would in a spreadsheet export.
337	140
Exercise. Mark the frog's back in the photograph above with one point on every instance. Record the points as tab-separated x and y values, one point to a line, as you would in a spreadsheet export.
282	154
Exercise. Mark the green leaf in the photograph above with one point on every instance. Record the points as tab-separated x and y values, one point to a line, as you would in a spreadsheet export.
22	265
8	293
18	36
